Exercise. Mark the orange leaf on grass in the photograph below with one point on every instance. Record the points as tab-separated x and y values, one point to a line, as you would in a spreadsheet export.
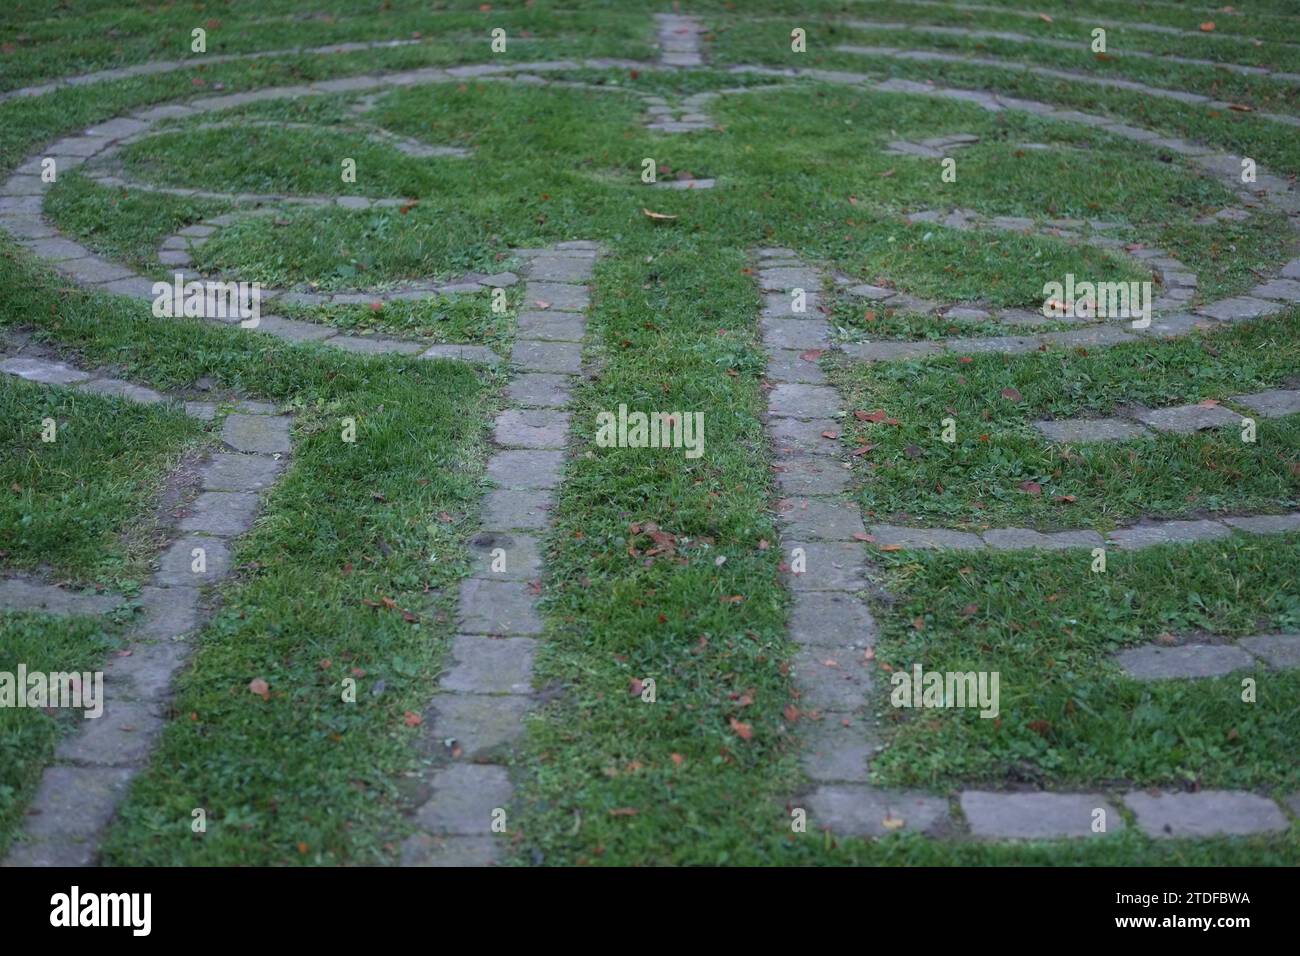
743	731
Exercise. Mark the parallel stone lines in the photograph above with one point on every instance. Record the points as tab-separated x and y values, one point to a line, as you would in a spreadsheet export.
1073	76
79	792
1159	662
834	629
481	704
1179	420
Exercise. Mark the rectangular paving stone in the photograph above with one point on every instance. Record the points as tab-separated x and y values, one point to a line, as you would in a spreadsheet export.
829	565
1013	539
221	513
552	326
1172	326
509	509
1166	532
70	807
294	330
531	428
831	619
794	334
19	594
780	305
831	679
560	297
167	613
858	810
177	563
57	250
1091	337
375	345
137	287
505	556
787	365
802	401
490	665
555	357
464	796
1273	403
1239	309
786	280
892	351
526	468
1077	430
43	370
1153	662
834	753
1277	650
811	475
249	473
478	723
1265	524
924	538
267	434
1284	290
121	736
115	388
1205	814
462	353
422	849
819	519
541	389
147	671
795	436
498	607
1186	419
559	269
93	270
1036	816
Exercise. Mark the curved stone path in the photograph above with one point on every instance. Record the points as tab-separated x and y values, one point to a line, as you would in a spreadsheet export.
1217	659
485	693
80	790
826	567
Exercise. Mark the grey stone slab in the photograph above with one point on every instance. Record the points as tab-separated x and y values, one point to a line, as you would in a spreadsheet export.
793	437
540	389
120	737
794	334
1079	430
551	326
203	411
802	401
57	250
42	370
964	314
177	563
1239	309
788	365
116	388
835	753
21	204
20	594
1265	524
1273	403
498	607
1206	814
994	344
779	305
811	475
1013	539
509	509
221	513
559	296
829	566
526	468
71	805
1277	650
27	226
829	679
1153	662
1173	326
1166	532
147	671
294	330
134	286
857	810
375	345
1291	270
1186	419
820	519
464	798
477	723
1283	290
488	665
505	556
559	269
228	472
1094	336
499	280
422	849
267	434
1036	816
167	613
462	353
924	538
786	280
831	618
892	351
554	357
531	428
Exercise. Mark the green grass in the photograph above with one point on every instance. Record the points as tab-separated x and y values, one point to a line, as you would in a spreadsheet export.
28	737
912	474
83	504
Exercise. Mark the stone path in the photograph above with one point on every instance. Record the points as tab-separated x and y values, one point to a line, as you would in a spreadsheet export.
1076	45
679	40
1204	659
1180	420
80	791
834	631
480	708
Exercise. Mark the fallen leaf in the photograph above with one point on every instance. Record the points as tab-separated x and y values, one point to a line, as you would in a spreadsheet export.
1045	18
791	713
1208	402
831	435
1031	487
743	731
657	216
892	823
811	355
1065	499
1012	395
677	759
624	812
1207	26
412	719
891	547
260	688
